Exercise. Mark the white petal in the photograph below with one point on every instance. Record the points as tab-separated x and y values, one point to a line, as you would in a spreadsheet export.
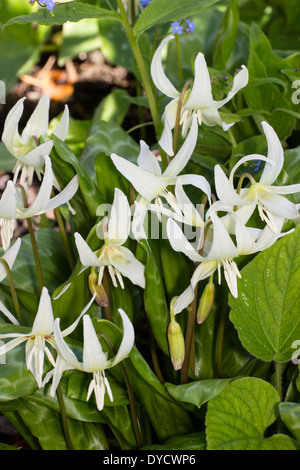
201	96
278	205
166	139
127	340
36	157
147	160
222	246
189	210
11	125
244	240
158	75
9	256
275	155
140	211
225	190
62	128
119	219
183	155
289	189
125	262
64	196
67	331
64	349
245	159
180	243
145	183
170	113
44	321
13	343
199	182
211	117
94	358
240	81
37	124
8	202
86	255
7	313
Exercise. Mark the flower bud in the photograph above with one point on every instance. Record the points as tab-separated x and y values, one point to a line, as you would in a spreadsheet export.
176	344
206	302
101	296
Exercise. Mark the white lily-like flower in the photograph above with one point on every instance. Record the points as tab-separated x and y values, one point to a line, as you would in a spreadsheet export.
220	252
9	257
261	194
118	259
12	207
198	100
32	145
94	359
37	338
151	183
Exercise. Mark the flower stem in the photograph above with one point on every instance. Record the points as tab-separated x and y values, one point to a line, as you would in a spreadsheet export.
189	338
64	235
64	417
107	310
33	242
12	290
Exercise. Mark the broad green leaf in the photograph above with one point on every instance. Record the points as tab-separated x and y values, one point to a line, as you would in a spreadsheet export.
63	13
239	416
266	312
197	393
162	11
156	307
290	415
4	446
226	34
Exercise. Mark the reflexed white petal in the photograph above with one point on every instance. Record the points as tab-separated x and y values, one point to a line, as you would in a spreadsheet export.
137	226
275	155
183	155
240	81
63	197
184	300
222	245
127	340
189	210
62	128
60	367
147	160
180	243
35	354
125	262
159	77
7	313
244	240
201	96
67	331
9	256
8	202
145	183
36	157
86	255
289	189
211	117
18	339
199	182
119	219
245	159
44	320
278	205
225	190
64	349
37	124
11	125
94	358
170	113
166	139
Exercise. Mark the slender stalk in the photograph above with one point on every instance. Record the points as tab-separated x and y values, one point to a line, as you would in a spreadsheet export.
141	65
189	338
65	238
220	336
155	362
12	290
107	310
33	242
64	417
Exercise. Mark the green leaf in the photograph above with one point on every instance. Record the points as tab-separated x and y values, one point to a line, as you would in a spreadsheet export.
63	13
290	415
197	393
163	11
266	312
195	441
239	416
226	34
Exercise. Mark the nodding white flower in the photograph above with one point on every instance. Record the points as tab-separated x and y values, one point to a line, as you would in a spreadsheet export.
261	194
12	207
9	257
151	183
32	145
94	359
219	251
118	259
38	337
198	100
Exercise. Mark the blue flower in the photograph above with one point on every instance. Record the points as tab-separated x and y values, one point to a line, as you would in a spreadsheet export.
176	28
49	4
144	3
190	26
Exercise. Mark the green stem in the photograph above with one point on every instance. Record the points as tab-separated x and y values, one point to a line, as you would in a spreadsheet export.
220	336
12	290
141	65
107	310
278	379
189	338
64	417
33	242
65	238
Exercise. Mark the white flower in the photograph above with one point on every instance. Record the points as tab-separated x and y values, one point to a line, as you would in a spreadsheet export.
198	100
32	145
219	251
38	337
151	183
11	203
118	259
94	359
262	194
9	257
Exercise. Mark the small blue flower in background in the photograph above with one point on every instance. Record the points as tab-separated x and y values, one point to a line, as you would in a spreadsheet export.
190	26
256	167
176	27
49	4
144	3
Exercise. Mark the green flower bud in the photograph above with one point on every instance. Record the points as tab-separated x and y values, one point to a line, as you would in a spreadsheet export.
175	340
101	297
206	302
